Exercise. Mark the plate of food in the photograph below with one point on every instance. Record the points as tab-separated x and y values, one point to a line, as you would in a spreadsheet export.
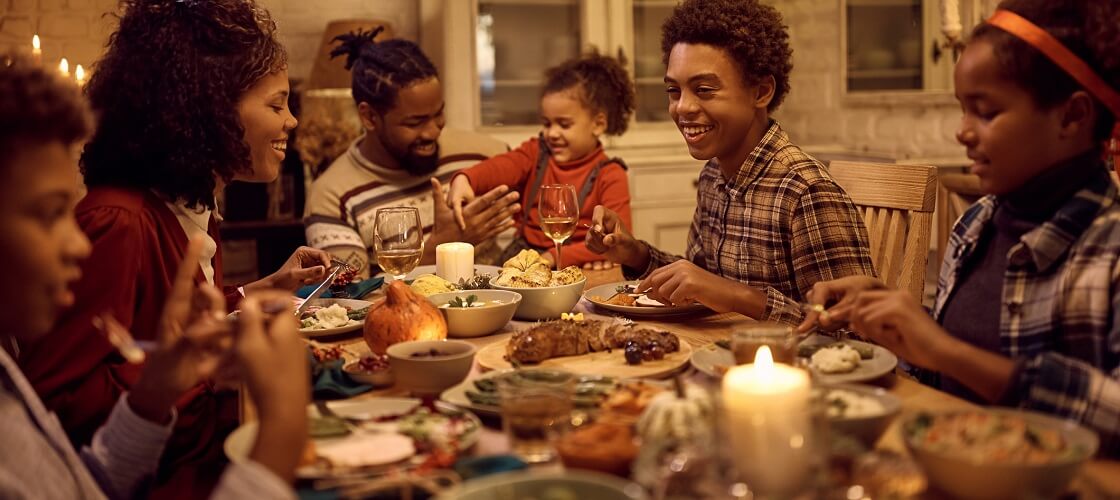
325	317
622	297
832	361
372	435
592	393
610	347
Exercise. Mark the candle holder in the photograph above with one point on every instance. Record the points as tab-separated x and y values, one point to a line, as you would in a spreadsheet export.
774	429
776	457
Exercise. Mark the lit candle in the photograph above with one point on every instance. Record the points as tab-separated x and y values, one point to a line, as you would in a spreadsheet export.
64	67
767	408
80	75
951	18
36	50
455	261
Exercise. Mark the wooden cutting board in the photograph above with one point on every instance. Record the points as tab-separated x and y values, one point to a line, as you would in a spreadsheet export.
611	364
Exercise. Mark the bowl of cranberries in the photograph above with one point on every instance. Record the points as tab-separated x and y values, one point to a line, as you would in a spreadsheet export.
372	369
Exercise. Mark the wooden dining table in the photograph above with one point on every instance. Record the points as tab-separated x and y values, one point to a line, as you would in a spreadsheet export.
1099	478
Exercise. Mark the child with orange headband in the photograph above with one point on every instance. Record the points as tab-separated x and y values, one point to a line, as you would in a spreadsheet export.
1028	304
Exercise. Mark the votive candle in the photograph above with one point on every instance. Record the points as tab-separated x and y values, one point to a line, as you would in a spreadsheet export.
455	261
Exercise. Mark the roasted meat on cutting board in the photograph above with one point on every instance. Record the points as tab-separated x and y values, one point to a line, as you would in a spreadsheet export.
559	338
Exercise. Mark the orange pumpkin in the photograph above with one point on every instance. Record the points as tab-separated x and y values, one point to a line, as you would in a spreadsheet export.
401	316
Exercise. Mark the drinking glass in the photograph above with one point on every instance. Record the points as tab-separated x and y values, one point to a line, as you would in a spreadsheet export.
746	340
559	213
398	240
536	406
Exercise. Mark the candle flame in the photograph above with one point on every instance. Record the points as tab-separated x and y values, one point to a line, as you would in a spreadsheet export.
35	43
763	358
80	74
64	66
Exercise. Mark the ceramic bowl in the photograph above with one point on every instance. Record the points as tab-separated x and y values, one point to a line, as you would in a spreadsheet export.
963	476
546	302
497	309
420	372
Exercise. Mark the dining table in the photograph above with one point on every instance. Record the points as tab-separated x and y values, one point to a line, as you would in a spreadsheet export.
1099	478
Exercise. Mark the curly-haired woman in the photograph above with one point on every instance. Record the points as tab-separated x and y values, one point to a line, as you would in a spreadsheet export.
190	95
769	220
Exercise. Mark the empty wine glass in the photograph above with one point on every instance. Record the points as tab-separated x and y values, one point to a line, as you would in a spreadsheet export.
559	212
398	240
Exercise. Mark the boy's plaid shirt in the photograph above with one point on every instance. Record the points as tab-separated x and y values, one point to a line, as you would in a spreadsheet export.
781	226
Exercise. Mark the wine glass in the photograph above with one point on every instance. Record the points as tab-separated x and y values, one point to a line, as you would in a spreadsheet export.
559	212
398	240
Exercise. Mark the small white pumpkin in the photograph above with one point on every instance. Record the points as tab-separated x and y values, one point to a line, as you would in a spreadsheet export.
670	416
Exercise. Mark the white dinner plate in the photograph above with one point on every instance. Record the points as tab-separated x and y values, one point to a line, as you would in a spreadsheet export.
608	290
240	442
353	304
713	360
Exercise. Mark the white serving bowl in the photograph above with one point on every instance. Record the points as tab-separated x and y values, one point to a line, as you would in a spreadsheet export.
968	479
546	302
498	308
866	428
430	375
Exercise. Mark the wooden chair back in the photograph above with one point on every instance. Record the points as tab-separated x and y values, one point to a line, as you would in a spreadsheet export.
896	202
958	192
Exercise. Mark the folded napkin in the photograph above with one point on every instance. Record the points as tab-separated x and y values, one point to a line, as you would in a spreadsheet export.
328	381
352	291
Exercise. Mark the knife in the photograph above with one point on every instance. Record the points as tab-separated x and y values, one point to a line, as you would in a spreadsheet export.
335	269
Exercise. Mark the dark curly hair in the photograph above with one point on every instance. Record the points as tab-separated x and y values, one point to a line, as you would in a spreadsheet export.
601	83
38	106
166	95
379	70
751	33
1088	28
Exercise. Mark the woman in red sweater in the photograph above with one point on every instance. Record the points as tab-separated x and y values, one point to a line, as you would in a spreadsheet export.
582	99
189	95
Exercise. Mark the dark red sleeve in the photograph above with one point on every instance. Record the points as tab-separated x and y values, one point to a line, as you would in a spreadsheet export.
511	169
75	370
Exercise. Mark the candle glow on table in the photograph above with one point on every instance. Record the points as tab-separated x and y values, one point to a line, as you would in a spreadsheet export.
455	261
36	49
64	67
767	409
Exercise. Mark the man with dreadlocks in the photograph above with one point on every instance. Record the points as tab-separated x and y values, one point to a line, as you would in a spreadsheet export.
403	159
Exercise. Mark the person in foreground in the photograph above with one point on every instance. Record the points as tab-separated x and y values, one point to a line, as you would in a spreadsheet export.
402	159
188	97
582	99
1028	302
43	122
769	222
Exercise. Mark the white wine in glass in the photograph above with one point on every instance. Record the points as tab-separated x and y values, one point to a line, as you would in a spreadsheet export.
558	208
398	240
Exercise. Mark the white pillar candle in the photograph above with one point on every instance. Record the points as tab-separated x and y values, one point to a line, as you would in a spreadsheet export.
767	409
455	261
951	18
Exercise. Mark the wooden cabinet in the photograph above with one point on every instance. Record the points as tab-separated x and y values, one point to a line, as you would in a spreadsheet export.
663	197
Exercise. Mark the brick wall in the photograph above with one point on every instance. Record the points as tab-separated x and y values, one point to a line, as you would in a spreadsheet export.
814	112
79	29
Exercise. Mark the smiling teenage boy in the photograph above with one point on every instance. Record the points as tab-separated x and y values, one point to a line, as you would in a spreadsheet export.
769	221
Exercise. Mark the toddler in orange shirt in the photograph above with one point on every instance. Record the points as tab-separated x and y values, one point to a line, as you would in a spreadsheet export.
582	99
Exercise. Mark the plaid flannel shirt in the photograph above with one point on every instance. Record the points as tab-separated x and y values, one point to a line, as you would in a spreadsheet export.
1059	310
781	225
